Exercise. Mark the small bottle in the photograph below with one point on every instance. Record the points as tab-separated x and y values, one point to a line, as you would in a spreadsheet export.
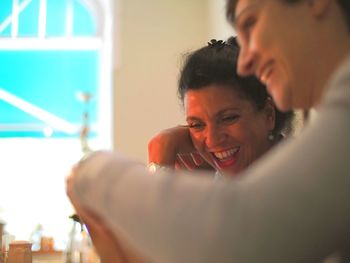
74	252
36	236
2	247
80	248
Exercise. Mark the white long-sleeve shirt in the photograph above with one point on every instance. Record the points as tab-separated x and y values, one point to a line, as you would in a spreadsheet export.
292	205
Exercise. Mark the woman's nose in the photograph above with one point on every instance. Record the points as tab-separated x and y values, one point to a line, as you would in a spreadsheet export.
215	136
246	61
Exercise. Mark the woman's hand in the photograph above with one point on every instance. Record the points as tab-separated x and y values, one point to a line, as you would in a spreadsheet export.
174	148
111	248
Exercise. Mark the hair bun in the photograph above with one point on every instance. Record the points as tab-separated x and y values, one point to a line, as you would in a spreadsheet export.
232	41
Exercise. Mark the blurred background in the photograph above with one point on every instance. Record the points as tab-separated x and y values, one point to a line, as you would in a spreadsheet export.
77	75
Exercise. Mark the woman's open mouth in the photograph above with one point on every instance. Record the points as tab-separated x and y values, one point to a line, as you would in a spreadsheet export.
225	159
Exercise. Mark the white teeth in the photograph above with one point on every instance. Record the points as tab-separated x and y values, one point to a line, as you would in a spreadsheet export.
265	73
226	154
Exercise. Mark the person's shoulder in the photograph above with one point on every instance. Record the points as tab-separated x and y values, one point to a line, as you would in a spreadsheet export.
337	93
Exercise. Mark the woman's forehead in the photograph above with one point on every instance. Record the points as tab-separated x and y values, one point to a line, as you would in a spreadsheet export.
215	92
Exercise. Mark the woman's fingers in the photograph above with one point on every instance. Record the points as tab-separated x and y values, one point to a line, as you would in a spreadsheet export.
197	158
191	161
186	161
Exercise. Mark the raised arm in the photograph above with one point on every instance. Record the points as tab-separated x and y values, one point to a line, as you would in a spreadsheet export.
173	148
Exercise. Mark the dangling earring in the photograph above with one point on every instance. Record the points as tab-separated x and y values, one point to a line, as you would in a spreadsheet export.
271	136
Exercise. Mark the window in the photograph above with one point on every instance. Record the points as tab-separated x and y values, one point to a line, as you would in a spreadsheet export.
55	70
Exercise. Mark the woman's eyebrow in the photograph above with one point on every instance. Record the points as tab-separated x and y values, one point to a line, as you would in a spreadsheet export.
227	110
219	113
245	10
192	118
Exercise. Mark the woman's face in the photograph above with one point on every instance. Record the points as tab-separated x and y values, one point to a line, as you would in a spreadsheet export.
226	129
271	34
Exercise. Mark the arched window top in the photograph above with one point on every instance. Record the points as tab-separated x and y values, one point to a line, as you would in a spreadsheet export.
51	24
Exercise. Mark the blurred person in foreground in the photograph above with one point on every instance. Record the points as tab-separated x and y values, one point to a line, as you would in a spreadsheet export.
292	204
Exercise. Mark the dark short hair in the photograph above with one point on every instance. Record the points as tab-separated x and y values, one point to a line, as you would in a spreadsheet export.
217	64
231	7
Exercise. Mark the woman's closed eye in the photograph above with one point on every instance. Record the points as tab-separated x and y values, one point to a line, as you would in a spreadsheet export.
196	126
230	119
248	24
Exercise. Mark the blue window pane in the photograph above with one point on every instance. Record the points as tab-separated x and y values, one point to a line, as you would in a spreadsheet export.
6	32
13	115
33	134
56	17
49	80
84	24
28	20
5	11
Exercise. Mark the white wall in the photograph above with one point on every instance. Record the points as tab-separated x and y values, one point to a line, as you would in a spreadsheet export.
152	35
219	28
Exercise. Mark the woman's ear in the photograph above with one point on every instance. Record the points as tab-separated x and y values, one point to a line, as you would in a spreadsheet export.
270	113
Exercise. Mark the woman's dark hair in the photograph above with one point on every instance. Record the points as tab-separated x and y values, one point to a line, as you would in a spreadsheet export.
217	64
345	7
231	7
